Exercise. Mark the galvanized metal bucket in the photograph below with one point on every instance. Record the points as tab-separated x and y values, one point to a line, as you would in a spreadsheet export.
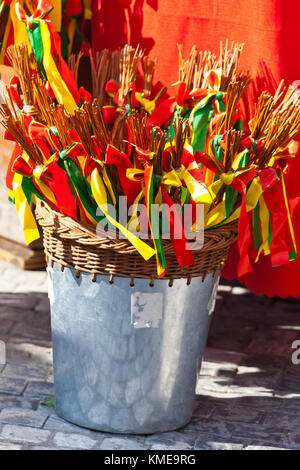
126	358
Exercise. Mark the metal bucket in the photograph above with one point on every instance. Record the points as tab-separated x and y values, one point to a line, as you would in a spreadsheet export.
126	358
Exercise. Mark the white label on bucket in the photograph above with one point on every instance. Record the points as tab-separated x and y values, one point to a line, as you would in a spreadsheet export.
50	287
212	302
146	310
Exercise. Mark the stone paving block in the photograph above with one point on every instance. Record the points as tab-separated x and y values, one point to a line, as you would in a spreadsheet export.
266	435
7	401
22	417
6	326
211	369
272	341
292	375
22	301
223	357
177	446
170	439
11	385
282	307
263	448
28	351
289	383
24	434
32	371
39	389
218	428
284	420
291	438
238	414
9	447
55	423
36	325
202	409
119	443
49	448
291	405
213	384
259	381
212	445
264	403
226	342
241	327
249	307
73	441
43	305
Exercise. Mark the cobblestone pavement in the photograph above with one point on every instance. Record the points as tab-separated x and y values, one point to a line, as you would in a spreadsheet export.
248	393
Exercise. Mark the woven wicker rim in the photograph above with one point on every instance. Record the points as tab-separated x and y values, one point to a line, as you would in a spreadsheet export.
83	249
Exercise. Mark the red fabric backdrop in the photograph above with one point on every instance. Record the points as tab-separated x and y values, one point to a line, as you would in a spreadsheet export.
270	30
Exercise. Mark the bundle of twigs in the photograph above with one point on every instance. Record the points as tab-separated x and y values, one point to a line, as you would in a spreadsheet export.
129	62
282	127
104	67
21	62
193	70
228	62
11	123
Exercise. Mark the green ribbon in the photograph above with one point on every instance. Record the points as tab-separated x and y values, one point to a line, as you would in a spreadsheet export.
155	224
35	38
202	115
231	194
81	186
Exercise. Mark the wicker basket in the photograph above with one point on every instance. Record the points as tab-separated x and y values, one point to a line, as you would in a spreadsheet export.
79	247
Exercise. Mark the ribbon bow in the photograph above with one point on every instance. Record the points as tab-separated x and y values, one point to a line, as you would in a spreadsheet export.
276	237
237	181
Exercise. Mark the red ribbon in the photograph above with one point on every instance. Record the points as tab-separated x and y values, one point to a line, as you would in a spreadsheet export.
180	243
239	184
131	188
274	199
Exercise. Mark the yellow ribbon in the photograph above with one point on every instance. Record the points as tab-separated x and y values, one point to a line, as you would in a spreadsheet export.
28	223
44	189
134	215
217	215
57	84
99	193
288	212
148	105
20	31
264	216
